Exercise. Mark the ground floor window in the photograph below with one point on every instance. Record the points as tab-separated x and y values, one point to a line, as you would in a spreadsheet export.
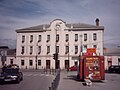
22	62
39	62
11	61
30	62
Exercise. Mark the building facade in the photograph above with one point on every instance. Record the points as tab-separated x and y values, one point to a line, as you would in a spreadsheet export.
36	45
7	56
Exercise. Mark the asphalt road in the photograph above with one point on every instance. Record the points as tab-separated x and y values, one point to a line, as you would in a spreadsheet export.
68	81
32	80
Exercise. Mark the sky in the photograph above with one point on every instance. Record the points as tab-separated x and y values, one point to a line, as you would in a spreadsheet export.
17	14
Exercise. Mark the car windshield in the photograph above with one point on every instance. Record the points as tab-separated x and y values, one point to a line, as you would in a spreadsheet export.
11	71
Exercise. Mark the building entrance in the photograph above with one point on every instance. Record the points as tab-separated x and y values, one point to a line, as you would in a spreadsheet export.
66	64
47	64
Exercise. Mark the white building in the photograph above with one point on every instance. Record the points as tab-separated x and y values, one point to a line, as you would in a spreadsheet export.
36	45
7	56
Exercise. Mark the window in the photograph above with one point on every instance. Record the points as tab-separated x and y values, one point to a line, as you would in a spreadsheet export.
22	62
67	37
57	49
67	49
11	61
39	38
39	49
57	37
31	49
94	46
48	49
22	52
85	37
48	38
23	38
94	36
85	46
76	49
76	37
39	62
31	38
30	62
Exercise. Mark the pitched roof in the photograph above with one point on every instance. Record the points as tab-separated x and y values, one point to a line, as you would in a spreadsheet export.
73	26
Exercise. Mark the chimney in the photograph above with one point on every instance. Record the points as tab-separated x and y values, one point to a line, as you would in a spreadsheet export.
97	22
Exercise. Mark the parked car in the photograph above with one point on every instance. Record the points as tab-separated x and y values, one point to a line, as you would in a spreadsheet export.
72	68
11	73
114	69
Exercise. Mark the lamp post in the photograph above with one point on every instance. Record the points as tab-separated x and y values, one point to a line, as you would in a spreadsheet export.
36	56
68	50
81	45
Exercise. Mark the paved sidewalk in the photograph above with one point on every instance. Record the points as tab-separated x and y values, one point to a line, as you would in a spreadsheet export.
68	81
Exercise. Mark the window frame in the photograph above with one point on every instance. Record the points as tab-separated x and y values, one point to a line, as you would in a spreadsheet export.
85	37
23	38
31	38
94	36
76	37
66	37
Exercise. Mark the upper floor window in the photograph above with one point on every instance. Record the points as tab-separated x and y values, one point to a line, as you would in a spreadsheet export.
31	49
39	38
31	38
48	38
94	36
57	38
67	37
39	49
22	51
23	38
76	49
57	49
67	50
76	37
48	49
85	37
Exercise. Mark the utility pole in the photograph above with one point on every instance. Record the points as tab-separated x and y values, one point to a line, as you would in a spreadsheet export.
81	45
36	56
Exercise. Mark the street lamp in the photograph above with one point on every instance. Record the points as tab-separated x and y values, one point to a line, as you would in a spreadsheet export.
81	45
36	56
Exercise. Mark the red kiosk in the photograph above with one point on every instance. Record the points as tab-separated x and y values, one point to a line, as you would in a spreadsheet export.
91	67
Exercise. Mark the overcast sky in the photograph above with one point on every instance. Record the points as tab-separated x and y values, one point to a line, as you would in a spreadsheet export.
16	14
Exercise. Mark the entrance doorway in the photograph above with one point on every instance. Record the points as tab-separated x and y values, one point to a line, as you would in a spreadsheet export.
47	64
66	64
